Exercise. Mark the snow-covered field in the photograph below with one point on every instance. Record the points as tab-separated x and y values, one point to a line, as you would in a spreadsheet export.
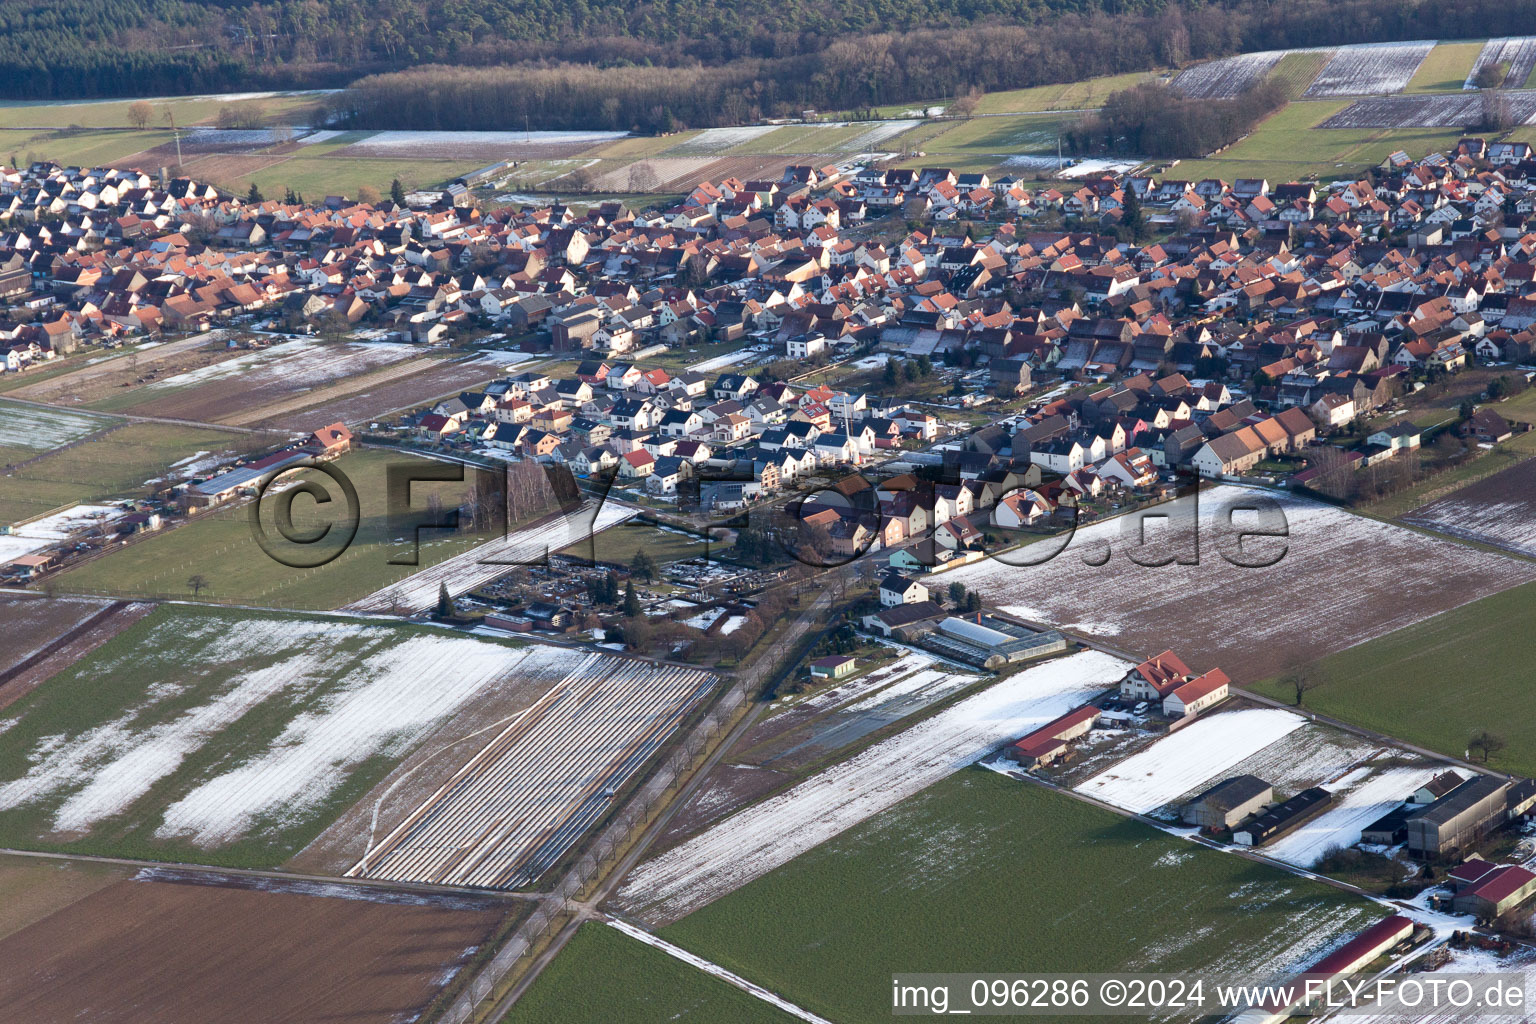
718	140
1507	524
1449	110
514	808
50	530
1519	52
766	835
426	143
1188	759
34	428
306	362
1225	77
1361	797
346	693
1339	580
1367	68
464	572
877	134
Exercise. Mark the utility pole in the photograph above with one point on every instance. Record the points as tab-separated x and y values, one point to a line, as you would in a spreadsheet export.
171	116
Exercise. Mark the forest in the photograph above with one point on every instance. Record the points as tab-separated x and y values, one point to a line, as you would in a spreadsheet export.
667	64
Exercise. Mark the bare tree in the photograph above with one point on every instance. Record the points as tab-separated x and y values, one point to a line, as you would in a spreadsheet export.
1301	677
197	584
1488	744
139	114
643	177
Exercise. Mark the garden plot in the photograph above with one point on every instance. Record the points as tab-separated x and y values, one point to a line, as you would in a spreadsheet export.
1190	758
1225	77
1368	68
207	730
1453	110
464	572
514	809
1499	510
1339	580
753	842
1519	52
1361	797
34	429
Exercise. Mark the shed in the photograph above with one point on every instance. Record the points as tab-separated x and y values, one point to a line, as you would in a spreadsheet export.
1227	803
1283	817
834	667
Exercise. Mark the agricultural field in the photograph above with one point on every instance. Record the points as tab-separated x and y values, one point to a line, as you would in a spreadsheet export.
1250	621
1071	96
765	836
378	394
1448	67
603	975
1437	683
1225	77
98	377
1370	68
31	624
979	871
129	462
220	737
1288	146
277	108
240	388
27	431
221	546
1454	110
515	807
202	948
1499	510
1517	53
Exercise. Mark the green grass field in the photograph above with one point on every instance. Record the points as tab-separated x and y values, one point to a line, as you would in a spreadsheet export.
291	108
1446	68
603	976
984	873
1296	71
1287	147
222	547
1091	92
80	148
219	737
1438	682
619	544
117	464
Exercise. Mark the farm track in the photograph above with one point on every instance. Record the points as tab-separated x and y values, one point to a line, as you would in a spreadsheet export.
515	808
242	877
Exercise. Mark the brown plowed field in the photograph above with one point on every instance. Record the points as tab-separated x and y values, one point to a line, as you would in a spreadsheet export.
188	952
374	402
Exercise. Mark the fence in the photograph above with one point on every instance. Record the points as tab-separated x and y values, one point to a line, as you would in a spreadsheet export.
548	916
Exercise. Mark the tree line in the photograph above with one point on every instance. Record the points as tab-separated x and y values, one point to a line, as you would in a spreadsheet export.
1149	120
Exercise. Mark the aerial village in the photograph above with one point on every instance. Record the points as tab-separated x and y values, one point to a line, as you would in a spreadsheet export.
917	372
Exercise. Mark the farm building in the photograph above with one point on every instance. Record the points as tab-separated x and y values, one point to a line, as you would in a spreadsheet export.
1155	678
1459	819
27	566
1435	788
1369	945
1052	742
991	646
221	488
1496	891
904	622
1389	829
1227	803
1283	817
1198	694
1522	798
834	667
